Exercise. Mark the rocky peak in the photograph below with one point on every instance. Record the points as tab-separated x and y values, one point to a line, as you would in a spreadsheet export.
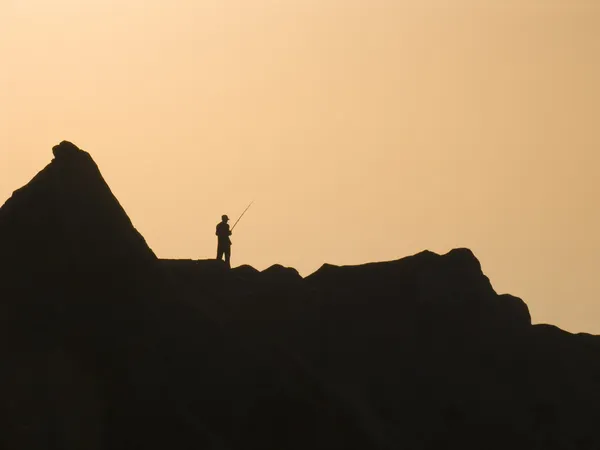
67	215
66	149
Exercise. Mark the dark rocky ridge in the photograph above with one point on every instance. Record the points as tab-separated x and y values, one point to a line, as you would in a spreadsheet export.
107	347
103	351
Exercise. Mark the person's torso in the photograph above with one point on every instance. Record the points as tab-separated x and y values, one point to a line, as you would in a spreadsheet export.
223	232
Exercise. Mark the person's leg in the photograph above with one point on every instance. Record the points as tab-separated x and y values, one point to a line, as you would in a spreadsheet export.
220	252
228	257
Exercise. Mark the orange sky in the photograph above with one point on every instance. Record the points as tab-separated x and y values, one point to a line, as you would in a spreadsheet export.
364	130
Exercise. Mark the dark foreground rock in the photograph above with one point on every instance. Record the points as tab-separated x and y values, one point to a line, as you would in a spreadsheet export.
102	350
107	347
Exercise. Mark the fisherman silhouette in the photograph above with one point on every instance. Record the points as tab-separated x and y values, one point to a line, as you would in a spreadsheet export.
224	243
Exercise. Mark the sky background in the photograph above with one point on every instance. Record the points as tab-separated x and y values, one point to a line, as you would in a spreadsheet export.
364	130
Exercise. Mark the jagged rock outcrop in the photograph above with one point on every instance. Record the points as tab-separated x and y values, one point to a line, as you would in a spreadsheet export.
68	215
427	354
108	347
103	350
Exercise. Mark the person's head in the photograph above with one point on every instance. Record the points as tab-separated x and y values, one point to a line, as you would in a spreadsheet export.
224	218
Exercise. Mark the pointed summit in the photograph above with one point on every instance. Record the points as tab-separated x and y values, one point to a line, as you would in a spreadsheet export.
68	216
66	149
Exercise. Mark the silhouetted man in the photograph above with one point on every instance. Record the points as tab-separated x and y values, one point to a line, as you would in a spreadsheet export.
224	245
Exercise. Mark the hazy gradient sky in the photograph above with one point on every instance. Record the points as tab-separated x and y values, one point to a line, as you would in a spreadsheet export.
365	130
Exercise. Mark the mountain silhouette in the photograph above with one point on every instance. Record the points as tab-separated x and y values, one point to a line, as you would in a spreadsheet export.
68	214
108	347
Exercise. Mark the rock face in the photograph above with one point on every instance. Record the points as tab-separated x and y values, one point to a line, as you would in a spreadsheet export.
102	350
67	214
108	347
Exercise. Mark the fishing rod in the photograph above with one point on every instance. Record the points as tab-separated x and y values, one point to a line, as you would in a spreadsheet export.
236	222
